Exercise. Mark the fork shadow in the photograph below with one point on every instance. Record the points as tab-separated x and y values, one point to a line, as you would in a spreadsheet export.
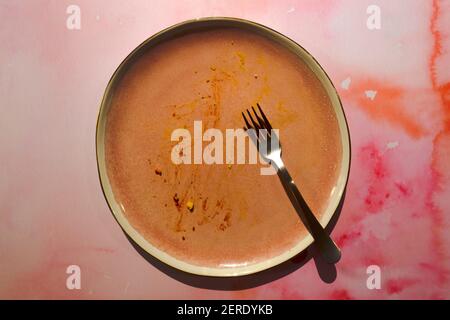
327	272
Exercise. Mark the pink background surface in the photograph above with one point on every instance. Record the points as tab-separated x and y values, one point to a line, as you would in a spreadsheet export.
52	211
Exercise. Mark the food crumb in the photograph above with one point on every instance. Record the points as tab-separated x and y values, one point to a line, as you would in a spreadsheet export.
241	58
229	166
256	76
184	238
190	205
158	172
176	200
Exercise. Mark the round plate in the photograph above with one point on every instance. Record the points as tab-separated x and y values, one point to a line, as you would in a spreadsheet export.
190	26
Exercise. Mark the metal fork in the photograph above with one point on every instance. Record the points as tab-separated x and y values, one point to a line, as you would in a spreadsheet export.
267	142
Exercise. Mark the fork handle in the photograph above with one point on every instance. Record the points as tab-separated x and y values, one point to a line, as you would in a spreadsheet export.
329	250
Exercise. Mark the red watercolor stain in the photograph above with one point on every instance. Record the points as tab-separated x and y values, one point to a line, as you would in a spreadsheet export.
288	293
394	286
436	296
441	153
442	89
377	192
438	270
403	188
340	294
376	258
373	201
437	46
388	105
347	237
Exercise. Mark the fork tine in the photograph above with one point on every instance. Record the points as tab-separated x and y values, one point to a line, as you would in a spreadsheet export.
246	122
253	135
262	124
268	125
251	132
255	125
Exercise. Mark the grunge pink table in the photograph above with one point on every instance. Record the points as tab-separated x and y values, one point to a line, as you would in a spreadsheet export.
394	83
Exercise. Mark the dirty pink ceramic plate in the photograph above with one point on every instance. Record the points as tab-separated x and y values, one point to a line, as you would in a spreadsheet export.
218	219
